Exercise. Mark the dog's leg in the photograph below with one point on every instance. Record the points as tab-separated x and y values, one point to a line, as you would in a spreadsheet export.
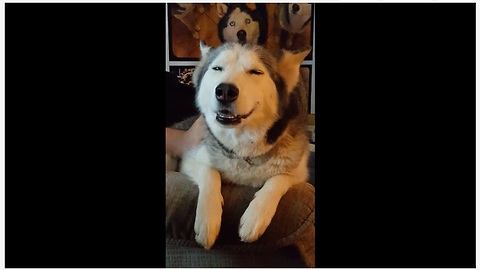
210	201
209	207
262	208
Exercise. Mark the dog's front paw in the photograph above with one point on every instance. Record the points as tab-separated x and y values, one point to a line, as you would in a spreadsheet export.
208	220
255	220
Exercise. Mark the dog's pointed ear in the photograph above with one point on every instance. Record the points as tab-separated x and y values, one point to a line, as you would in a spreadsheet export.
204	49
289	66
221	10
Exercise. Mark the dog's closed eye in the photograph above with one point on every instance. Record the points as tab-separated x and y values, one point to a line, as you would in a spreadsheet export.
256	72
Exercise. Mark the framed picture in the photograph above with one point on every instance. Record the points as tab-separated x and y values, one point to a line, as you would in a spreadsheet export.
183	74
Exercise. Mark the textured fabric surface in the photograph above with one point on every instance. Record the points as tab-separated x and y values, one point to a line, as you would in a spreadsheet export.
180	256
295	214
306	247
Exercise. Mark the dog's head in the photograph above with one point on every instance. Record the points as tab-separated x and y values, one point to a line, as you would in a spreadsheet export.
295	17
243	25
242	86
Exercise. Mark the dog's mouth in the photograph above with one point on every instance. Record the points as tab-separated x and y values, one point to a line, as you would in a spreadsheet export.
226	117
242	40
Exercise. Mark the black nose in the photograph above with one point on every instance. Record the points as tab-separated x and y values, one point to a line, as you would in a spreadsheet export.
242	35
226	92
295	8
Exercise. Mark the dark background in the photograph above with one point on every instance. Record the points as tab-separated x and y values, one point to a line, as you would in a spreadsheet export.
395	135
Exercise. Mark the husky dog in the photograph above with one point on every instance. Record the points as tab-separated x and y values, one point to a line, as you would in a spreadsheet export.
255	108
241	24
291	19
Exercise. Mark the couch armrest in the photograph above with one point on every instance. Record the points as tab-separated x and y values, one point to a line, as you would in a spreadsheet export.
295	214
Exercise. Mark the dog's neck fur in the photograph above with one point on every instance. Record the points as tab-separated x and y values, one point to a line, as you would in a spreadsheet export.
254	146
227	151
252	149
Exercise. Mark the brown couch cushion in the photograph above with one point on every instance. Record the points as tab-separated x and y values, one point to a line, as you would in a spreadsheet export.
295	213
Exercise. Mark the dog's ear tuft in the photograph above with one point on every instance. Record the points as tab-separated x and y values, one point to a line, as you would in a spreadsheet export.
289	66
204	49
221	10
295	57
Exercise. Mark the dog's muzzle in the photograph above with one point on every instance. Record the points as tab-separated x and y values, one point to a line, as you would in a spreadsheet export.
228	118
295	8
242	36
226	94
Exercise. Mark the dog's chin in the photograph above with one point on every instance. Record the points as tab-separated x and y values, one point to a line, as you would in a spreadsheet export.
227	118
